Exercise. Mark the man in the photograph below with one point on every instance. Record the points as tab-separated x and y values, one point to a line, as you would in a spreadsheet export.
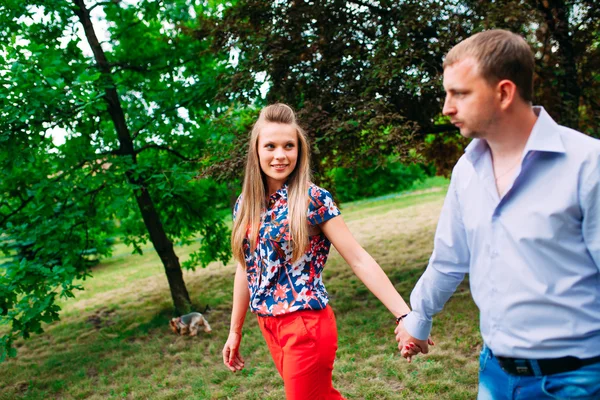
522	217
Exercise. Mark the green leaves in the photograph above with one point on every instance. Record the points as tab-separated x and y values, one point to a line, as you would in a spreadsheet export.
63	206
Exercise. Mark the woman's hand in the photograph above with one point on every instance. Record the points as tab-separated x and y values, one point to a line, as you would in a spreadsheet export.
231	352
410	346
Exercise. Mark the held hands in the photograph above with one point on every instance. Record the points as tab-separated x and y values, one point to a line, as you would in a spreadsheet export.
410	346
231	355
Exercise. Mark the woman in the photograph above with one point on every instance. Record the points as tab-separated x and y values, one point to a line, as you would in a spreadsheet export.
283	228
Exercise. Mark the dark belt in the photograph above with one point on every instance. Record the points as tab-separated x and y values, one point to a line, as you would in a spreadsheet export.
547	366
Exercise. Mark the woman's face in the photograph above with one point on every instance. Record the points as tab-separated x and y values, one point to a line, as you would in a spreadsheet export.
277	153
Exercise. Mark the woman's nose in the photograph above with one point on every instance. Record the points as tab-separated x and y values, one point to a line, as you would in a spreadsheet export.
279	153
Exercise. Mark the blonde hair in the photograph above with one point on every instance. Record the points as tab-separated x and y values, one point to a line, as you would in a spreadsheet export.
253	199
500	55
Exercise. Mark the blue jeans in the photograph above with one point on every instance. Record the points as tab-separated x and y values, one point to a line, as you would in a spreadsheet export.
495	384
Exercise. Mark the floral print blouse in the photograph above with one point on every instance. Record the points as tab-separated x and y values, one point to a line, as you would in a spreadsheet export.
276	285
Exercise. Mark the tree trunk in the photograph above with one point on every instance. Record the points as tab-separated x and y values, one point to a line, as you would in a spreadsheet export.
556	15
158	236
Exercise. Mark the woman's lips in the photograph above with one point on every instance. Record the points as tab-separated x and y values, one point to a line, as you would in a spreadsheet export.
279	167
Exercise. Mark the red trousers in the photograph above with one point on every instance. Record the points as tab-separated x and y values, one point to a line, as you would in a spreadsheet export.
303	346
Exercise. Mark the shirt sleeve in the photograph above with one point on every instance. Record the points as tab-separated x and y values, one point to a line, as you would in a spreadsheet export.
590	206
447	267
321	207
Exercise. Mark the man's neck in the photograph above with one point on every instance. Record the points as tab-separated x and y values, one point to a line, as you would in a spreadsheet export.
511	133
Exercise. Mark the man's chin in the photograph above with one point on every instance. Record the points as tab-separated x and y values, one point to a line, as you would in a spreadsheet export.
469	134
465	132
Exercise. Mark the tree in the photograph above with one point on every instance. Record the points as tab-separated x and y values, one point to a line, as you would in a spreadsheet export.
565	37
135	108
366	75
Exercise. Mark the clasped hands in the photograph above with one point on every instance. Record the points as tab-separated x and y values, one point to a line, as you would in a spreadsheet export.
410	346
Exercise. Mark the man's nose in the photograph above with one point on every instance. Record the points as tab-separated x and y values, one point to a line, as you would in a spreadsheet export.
449	108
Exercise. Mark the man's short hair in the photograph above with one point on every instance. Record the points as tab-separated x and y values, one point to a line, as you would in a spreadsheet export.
500	55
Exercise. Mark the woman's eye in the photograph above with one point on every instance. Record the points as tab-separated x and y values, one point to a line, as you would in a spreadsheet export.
269	146
289	145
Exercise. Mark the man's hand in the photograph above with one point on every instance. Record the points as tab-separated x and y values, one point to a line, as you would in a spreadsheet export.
410	346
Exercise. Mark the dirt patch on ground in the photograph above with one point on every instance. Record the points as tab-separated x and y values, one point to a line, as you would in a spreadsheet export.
102	318
22	387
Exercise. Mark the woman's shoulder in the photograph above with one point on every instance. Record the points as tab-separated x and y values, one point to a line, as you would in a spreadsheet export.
321	206
317	192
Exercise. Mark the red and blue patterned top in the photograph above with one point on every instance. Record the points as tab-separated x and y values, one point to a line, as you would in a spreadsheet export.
276	285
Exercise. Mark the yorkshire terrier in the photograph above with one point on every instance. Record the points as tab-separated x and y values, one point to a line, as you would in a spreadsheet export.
189	324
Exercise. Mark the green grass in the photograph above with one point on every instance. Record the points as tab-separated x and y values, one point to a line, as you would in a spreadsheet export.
113	341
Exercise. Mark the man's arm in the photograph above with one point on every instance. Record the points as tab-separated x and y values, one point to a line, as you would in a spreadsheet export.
447	267
590	206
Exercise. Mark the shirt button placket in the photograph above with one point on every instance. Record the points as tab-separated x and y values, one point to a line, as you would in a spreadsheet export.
493	271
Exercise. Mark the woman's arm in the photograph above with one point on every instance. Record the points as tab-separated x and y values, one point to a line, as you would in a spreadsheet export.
241	299
364	266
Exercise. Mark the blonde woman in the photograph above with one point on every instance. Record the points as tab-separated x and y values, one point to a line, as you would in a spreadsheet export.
283	228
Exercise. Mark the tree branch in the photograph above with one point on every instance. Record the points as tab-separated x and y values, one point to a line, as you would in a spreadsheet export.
24	203
141	128
74	168
100	3
139	68
170	150
111	95
166	110
130	67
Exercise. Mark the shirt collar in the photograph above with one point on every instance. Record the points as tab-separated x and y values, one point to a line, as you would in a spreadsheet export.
282	192
544	137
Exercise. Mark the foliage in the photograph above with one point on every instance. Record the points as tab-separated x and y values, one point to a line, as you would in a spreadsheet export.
366	76
363	77
135	109
173	87
564	36
359	183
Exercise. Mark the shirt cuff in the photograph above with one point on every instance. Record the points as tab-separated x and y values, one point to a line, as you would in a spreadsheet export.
417	326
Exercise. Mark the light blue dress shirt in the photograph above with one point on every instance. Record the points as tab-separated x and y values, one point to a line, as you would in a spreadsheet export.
533	255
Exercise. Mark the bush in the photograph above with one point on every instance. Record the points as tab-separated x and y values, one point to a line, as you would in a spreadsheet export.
359	183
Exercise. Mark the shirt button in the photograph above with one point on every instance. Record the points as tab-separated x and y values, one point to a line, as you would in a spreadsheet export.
494	254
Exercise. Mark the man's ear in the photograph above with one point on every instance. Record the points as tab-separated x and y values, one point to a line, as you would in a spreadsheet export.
507	93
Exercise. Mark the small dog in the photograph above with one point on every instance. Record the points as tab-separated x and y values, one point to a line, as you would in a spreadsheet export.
189	324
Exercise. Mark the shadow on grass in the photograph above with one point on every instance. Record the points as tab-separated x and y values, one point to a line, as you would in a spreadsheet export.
122	347
90	349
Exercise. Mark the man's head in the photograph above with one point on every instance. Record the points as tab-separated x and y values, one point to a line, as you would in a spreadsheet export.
484	75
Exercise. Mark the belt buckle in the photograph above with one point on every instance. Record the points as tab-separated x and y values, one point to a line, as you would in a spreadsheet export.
515	366
523	370
522	367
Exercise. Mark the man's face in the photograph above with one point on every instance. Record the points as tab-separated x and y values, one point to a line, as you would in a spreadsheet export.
471	102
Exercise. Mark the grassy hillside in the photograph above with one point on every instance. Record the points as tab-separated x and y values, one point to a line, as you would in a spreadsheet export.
113	340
